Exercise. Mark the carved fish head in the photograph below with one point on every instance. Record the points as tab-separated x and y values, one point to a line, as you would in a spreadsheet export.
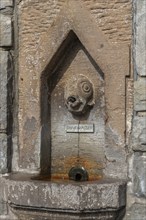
79	95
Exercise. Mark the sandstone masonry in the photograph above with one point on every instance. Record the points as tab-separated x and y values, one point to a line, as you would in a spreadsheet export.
114	18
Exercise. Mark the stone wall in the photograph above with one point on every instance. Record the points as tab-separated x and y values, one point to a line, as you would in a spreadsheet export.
114	19
137	152
6	93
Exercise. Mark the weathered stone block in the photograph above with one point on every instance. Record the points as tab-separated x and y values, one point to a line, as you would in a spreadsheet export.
24	191
3	153
5	30
3	89
140	95
139	173
136	212
5	3
139	133
140	39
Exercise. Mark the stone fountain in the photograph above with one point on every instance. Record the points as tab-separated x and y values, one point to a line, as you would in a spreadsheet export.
72	139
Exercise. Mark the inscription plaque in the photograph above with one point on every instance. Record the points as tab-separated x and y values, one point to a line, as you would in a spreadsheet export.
80	128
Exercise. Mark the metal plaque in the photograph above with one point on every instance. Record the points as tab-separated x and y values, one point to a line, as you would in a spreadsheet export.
80	128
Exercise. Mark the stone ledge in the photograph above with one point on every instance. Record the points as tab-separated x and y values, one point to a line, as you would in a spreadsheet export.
23	192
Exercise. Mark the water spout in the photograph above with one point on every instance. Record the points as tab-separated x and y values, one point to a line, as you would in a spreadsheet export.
78	174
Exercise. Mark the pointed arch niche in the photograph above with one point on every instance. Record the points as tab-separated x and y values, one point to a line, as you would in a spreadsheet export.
72	49
74	46
60	150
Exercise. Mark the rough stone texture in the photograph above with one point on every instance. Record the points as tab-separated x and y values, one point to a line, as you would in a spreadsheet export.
136	212
139	133
3	89
139	174
140	94
104	13
74	17
5	3
23	191
140	37
5	30
3	153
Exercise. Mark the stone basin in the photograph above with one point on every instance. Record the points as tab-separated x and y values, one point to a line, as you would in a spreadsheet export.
105	198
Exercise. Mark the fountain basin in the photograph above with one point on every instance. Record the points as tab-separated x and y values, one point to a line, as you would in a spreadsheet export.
25	193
